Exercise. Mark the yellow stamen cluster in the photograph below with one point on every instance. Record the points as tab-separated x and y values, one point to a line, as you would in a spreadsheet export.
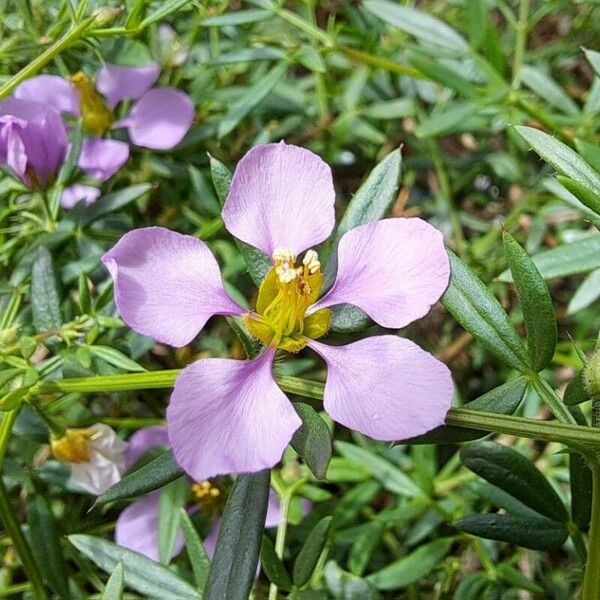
283	299
73	446
96	116
205	490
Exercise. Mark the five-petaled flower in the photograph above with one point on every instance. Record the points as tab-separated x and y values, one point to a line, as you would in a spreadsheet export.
229	416
158	119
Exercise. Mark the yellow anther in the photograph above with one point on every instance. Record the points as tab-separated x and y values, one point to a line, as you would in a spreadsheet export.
311	262
204	490
73	446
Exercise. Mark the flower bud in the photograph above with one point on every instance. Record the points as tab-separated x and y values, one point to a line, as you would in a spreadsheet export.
591	375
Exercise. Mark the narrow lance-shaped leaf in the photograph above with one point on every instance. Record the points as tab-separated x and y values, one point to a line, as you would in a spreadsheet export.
473	306
577	257
509	470
195	550
142	574
152	476
46	546
272	565
172	499
537	534
313	440
233	567
45	303
114	586
561	157
538	311
311	551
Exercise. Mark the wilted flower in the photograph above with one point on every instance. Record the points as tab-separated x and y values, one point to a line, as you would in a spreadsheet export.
96	456
33	141
229	416
137	525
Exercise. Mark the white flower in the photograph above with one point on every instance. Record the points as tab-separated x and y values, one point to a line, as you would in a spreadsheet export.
96	455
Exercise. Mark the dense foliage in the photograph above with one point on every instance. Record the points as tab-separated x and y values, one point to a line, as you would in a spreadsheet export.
478	116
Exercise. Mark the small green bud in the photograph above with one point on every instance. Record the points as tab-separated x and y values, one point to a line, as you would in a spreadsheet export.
591	375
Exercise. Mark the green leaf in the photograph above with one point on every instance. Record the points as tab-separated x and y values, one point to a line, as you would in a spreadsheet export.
233	567
375	196
586	294
537	534
582	193
109	204
172	498
346	586
569	259
593	58
509	470
310	58
115	358
353	501
503	400
561	157
272	565
47	547
473	306
257	262
164	10
45	302
414	567
239	17
153	475
195	550
436	71
253	96
517	579
390	476
576	393
310	552
451	119
313	440
142	574
114	586
418	24
364	547
371	202
546	88
580	479
538	311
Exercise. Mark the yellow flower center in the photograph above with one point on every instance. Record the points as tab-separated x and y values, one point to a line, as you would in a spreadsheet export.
73	446
97	117
208	497
283	298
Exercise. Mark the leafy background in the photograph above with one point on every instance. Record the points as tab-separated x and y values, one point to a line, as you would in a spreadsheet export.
465	88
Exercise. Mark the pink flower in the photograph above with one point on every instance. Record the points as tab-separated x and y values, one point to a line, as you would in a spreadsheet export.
229	416
158	119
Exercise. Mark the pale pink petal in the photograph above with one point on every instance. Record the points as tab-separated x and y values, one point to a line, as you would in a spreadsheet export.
137	528
385	387
159	119
145	439
101	159
281	197
50	89
228	416
78	192
394	270
118	83
167	285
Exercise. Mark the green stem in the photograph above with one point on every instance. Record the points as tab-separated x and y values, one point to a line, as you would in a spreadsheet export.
8	518
567	433
520	43
72	36
552	401
591	579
